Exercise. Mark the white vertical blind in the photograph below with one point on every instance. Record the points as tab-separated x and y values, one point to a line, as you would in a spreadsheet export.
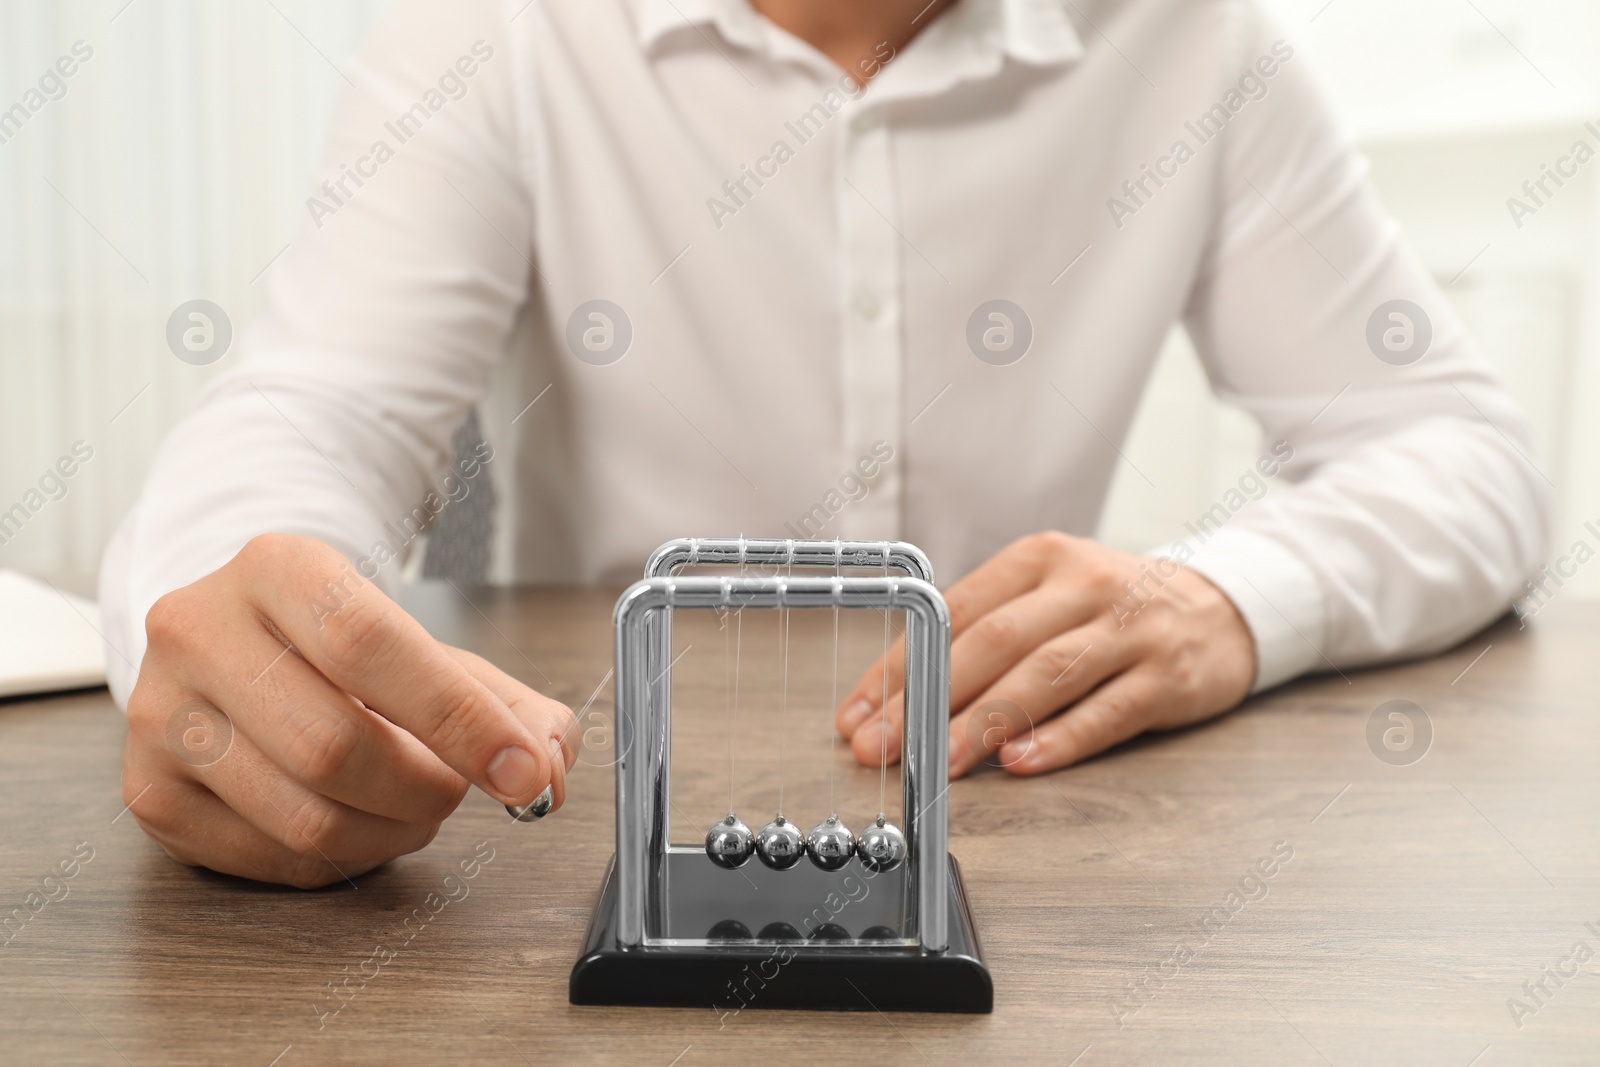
174	167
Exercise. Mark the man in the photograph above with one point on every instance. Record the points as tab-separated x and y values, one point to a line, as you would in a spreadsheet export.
700	262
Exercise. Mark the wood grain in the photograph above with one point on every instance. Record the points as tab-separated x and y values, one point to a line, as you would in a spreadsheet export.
1418	900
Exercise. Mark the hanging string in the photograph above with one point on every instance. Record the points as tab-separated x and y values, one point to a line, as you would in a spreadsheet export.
883	707
738	656
833	735
727	696
783	699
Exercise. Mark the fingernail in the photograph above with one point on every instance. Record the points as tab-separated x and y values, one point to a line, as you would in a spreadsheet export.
513	772
855	715
958	755
1014	757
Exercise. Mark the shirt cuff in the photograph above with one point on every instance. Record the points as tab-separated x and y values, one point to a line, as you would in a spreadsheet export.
1275	591
124	639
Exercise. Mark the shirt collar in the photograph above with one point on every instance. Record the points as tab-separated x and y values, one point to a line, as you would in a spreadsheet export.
1037	32
735	20
1040	32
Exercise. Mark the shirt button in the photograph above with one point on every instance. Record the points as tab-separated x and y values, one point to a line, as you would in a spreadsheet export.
865	122
867	306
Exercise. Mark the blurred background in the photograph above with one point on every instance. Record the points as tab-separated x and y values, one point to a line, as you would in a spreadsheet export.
176	163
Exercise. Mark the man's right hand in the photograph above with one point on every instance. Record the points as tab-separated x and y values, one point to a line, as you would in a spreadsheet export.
292	724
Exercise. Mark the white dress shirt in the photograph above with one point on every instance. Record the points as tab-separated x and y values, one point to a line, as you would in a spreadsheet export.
800	267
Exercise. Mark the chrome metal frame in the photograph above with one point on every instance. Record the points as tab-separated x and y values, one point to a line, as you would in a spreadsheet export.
644	686
786	553
768	557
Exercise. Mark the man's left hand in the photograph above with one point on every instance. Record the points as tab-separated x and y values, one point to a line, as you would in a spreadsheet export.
1055	657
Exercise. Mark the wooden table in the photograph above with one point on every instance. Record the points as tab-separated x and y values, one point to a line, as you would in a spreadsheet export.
1418	900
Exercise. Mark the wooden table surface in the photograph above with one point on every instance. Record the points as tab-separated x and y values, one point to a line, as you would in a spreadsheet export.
1418	900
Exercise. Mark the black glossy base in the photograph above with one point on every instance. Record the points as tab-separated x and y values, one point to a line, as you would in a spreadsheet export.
731	977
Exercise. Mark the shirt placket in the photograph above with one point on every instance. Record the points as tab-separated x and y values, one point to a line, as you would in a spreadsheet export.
872	302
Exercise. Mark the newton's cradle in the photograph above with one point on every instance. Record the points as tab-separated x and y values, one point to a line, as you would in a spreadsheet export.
781	918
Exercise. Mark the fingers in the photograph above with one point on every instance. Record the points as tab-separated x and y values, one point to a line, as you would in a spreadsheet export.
867	695
1049	677
985	667
999	641
363	643
302	820
1036	629
1017	634
325	739
1119	709
195	828
878	739
548	719
292	724
261	795
1012	573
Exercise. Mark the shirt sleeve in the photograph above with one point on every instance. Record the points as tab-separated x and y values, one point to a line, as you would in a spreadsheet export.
1414	509
384	320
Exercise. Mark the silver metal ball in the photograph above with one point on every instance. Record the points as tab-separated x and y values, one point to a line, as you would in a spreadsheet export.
830	844
778	931
780	844
537	810
729	843
881	846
